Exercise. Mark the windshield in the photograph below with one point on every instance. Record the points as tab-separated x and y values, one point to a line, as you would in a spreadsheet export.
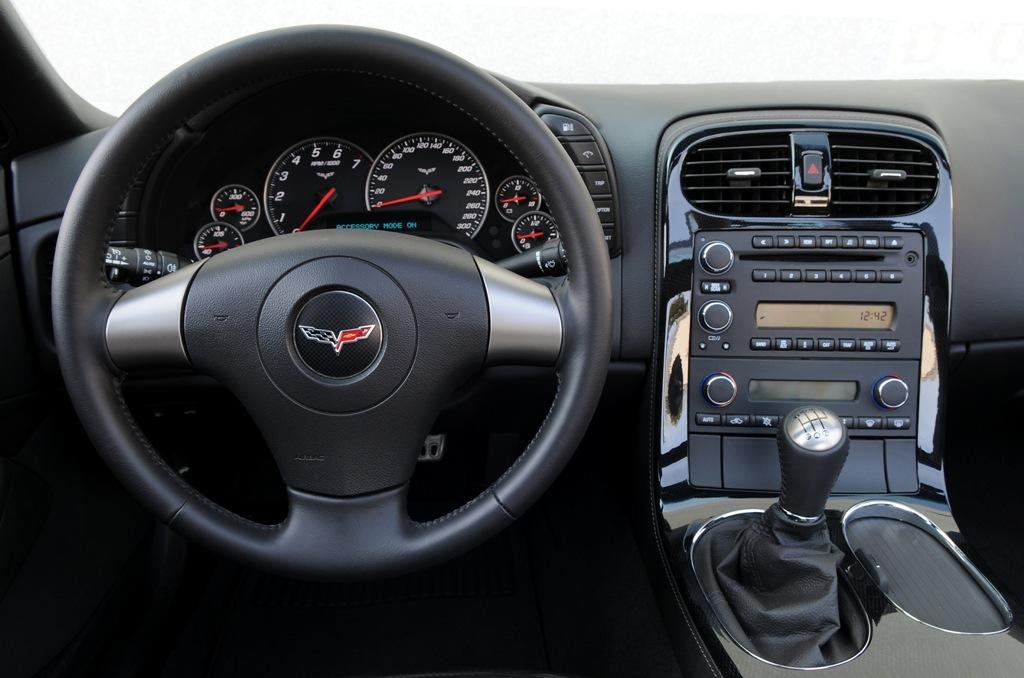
111	52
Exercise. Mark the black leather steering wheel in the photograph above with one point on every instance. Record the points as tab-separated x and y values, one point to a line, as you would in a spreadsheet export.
343	412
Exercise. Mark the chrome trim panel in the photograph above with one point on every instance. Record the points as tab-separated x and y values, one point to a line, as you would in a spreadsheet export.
144	328
881	508
525	322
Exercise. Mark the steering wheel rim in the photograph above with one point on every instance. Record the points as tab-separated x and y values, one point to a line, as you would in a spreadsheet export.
362	529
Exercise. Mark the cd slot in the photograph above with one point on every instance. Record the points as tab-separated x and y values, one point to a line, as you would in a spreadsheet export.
808	257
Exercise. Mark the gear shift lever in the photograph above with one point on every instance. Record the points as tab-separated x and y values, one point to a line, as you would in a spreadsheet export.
812	450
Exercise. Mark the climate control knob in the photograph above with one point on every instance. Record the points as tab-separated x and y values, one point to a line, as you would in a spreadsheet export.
715	316
891	392
719	389
716	257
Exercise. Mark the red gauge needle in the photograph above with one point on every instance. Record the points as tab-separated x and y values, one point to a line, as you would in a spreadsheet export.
531	235
409	198
233	208
216	246
515	199
316	210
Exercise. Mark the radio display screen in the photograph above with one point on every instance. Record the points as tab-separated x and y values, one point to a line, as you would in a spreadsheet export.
768	390
824	316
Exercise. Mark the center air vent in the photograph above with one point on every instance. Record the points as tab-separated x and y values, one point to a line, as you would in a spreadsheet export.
741	175
878	175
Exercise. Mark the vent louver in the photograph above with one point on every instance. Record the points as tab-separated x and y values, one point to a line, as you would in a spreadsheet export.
740	175
878	175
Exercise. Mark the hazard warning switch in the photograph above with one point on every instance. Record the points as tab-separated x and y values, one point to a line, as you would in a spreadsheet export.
813	174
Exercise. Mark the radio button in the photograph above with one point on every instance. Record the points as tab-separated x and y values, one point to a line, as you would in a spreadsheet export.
705	419
865	276
715	286
763	275
783	344
760	344
826	344
849	242
871	242
789	275
869	344
805	344
891	393
829	242
808	242
898	423
785	241
765	420
716	257
840	276
892	242
761	242
815	275
869	422
737	420
847	344
891	276
719	389
715	316
890	345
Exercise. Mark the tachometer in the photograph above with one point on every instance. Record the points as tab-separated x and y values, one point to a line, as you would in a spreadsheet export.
434	173
313	178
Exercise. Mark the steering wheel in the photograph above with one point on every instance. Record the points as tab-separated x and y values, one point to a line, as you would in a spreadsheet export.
341	345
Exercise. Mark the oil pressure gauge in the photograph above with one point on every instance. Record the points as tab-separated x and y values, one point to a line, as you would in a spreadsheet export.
236	205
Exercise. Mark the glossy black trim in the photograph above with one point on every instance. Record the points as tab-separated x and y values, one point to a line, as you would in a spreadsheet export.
683	507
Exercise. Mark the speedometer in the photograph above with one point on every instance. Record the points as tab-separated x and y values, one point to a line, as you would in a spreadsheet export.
312	179
433	173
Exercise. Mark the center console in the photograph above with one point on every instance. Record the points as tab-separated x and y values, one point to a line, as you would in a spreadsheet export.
805	267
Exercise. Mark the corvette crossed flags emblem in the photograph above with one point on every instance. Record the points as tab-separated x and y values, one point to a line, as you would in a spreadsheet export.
337	340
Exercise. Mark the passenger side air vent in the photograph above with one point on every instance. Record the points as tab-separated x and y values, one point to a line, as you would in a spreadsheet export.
740	175
878	175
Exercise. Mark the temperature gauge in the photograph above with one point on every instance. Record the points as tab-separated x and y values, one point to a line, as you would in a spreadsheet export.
215	237
236	205
515	197
533	229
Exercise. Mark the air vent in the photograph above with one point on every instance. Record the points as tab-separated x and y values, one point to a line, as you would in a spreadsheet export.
740	175
878	175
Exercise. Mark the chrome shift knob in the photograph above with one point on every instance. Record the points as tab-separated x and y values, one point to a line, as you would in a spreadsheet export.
813	445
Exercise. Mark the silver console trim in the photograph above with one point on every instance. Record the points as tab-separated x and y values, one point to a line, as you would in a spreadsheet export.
883	508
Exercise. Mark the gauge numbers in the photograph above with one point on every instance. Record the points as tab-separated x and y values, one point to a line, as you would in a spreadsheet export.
433	173
312	179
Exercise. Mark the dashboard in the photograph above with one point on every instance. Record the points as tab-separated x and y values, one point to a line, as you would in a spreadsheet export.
368	155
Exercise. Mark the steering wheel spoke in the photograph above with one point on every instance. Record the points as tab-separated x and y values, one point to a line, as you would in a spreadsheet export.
523	316
143	329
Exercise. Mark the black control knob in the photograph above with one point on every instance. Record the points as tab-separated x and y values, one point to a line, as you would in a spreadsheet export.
813	445
716	257
715	316
891	393
719	389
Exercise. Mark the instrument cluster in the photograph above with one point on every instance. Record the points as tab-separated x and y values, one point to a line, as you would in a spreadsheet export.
266	169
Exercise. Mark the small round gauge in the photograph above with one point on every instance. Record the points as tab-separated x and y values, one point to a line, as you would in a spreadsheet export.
215	237
236	205
516	196
312	179
434	173
533	229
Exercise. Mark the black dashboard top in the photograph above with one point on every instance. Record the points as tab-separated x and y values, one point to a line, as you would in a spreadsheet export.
977	121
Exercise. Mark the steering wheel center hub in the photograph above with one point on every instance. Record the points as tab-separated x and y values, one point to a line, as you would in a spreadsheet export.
338	334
